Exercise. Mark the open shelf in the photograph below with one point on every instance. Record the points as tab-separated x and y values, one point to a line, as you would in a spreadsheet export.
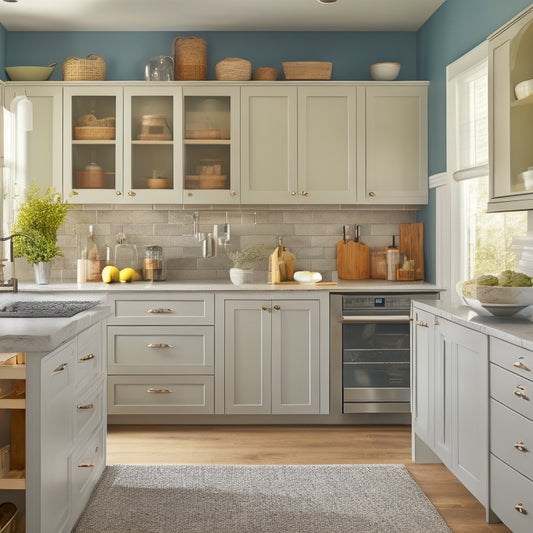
207	141
13	480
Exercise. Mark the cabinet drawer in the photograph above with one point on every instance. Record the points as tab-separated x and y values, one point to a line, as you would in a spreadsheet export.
89	356
509	489
57	371
184	309
87	465
511	438
512	390
160	395
160	350
89	409
511	357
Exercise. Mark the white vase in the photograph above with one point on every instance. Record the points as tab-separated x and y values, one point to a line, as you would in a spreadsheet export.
239	276
41	272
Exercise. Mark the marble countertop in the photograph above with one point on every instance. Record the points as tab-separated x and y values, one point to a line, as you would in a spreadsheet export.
517	329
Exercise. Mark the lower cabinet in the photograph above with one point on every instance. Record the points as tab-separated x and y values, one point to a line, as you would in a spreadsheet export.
271	356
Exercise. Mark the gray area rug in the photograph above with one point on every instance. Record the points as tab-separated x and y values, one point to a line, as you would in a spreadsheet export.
262	499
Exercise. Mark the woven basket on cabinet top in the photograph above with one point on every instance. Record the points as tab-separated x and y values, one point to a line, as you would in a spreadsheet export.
190	58
233	69
90	68
265	73
307	70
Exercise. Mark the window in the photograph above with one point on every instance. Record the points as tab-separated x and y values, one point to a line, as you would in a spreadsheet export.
470	241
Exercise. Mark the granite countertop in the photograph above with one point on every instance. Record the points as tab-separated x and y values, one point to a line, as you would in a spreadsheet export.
368	285
517	329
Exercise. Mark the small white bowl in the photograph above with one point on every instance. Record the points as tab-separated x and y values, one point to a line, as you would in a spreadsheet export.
386	71
523	89
527	178
305	276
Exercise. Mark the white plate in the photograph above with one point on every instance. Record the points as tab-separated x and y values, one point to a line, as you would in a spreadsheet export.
305	277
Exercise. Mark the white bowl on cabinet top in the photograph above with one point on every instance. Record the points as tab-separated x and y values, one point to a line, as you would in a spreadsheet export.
385	71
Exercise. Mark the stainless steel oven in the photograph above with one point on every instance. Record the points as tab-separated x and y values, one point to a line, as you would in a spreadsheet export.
370	336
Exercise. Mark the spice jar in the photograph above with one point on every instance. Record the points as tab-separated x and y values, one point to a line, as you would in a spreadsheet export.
154	264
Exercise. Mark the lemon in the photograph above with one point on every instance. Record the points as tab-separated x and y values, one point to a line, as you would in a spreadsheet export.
110	274
126	275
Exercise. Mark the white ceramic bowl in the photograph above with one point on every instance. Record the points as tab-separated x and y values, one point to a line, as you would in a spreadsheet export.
30	73
527	178
386	71
305	276
523	89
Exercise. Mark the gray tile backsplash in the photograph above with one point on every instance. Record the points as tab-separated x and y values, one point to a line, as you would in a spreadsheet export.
309	232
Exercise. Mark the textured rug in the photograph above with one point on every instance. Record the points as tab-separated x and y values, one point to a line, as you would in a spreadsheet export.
259	499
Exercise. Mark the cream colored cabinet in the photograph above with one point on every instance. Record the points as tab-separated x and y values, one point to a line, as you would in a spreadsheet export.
211	133
510	119
271	357
160	349
298	144
393	164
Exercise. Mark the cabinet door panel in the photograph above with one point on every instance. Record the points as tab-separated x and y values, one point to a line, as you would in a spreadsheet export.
269	144
295	357
247	347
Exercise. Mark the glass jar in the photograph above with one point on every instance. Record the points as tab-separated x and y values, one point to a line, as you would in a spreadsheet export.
154	264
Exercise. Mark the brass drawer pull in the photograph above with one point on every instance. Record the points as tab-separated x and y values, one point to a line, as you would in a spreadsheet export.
60	368
158	391
520	508
160	310
83	407
85	465
87	357
277	307
520	446
522	366
520	391
422	324
265	308
159	345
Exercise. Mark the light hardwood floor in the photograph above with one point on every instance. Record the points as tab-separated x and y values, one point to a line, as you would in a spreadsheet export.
299	445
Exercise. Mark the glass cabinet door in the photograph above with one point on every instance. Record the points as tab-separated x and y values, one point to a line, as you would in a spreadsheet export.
211	136
152	133
92	131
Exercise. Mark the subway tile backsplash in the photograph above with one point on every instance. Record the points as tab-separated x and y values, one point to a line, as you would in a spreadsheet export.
309	232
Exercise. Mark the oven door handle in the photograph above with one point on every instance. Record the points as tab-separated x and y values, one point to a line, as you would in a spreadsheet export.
372	319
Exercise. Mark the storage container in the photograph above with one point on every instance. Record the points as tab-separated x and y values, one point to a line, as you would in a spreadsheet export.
89	68
190	58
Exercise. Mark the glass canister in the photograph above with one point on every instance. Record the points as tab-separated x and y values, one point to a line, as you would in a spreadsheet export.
154	264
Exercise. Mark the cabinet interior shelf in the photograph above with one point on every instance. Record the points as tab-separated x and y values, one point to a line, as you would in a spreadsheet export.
13	402
12	371
95	141
208	141
152	142
528	100
13	480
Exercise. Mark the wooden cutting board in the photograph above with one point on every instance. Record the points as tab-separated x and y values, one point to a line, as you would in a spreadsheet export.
353	260
412	245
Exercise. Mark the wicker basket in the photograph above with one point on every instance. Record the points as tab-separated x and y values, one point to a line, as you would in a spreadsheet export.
94	133
90	68
91	120
307	70
233	69
265	73
190	58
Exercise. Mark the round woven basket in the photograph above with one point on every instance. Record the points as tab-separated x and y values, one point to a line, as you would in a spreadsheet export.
265	73
190	58
233	69
89	68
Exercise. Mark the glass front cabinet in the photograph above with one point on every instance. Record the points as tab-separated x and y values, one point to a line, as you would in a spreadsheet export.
511	115
210	146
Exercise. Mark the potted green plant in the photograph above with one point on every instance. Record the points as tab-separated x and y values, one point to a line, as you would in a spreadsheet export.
38	219
243	263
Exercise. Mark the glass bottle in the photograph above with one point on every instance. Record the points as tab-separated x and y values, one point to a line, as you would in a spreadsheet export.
93	272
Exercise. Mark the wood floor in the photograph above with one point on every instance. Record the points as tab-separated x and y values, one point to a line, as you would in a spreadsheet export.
299	445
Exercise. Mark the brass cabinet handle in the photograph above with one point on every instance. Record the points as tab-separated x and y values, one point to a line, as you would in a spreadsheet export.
74	193
132	193
233	193
159	345
436	321
265	308
520	508
153	390
422	324
118	193
372	194
520	446
293	193
160	310
85	407
277	307
520	391
189	194
305	194
60	368
85	465
87	357
522	366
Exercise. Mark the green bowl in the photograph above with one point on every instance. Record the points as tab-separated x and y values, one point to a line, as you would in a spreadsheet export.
30	73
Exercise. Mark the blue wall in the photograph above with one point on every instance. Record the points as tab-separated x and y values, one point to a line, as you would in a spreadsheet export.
454	29
125	53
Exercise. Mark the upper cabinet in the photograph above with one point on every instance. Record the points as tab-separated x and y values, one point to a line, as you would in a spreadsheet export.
510	117
211	144
298	144
393	168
